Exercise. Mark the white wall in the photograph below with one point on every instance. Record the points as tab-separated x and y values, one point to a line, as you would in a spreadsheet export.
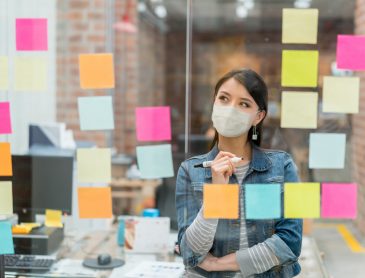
27	107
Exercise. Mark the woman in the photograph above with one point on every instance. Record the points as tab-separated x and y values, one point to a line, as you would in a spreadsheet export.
238	247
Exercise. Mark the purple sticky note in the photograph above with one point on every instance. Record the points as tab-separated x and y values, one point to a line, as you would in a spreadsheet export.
31	34
339	200
350	52
153	123
5	122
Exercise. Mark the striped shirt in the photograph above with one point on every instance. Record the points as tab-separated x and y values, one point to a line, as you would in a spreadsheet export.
200	236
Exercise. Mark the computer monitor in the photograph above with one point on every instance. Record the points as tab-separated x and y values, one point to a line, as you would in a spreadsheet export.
39	183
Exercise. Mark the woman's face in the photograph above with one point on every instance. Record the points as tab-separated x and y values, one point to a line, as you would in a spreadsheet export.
232	93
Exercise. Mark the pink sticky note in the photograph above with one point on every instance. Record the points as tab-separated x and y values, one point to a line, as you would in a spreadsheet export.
5	122
153	123
350	52
339	200
31	34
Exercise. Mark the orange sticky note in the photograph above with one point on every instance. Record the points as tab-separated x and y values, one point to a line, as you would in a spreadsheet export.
95	202
6	168
221	201
96	71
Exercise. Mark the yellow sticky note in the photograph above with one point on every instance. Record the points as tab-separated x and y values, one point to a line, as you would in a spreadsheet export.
302	200
95	202
94	165
299	68
53	218
31	73
96	71
341	94
4	73
6	168
299	110
300	26
6	198
221	201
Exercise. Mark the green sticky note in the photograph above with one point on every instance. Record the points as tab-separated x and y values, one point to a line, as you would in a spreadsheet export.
302	200
6	198
6	238
94	165
4	73
299	68
96	113
155	161
31	73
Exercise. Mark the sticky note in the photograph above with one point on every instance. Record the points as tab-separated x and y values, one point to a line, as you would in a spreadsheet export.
327	150
301	200
350	52
4	73
339	200
96	71
263	201
5	121
6	168
95	202
341	94
31	74
31	34
6	198
96	113
53	218
6	242
221	201
300	26
94	165
155	161
299	68
299	110
153	123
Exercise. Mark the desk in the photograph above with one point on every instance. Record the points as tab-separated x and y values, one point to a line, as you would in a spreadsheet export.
132	196
94	243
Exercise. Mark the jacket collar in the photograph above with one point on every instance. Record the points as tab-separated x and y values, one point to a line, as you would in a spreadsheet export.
260	161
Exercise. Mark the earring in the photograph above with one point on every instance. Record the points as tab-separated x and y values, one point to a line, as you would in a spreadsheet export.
254	134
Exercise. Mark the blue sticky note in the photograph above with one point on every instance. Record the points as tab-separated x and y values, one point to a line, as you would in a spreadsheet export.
96	113
327	150
121	232
155	161
263	201
6	238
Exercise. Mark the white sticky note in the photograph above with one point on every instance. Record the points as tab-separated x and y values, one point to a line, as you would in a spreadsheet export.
327	150
94	165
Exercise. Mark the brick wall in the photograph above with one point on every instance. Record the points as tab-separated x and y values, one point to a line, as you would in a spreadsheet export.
358	129
138	60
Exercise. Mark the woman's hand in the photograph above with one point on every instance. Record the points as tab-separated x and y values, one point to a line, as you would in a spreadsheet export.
222	168
209	263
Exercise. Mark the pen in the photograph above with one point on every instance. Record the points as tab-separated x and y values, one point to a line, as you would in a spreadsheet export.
207	164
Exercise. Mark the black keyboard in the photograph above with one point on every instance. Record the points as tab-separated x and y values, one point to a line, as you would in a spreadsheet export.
28	263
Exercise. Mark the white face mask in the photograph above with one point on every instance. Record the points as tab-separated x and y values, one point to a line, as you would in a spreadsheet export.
231	122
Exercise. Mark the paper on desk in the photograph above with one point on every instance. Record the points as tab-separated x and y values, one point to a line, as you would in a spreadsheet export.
53	218
6	168
70	267
152	270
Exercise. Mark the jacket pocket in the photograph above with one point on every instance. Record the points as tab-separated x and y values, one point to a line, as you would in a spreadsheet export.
275	179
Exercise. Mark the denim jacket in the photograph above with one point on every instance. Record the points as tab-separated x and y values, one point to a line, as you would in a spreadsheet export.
266	166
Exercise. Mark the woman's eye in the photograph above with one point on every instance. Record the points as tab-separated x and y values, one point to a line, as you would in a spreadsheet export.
223	98
244	104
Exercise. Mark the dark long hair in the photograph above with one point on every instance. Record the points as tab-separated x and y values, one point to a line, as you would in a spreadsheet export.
256	87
